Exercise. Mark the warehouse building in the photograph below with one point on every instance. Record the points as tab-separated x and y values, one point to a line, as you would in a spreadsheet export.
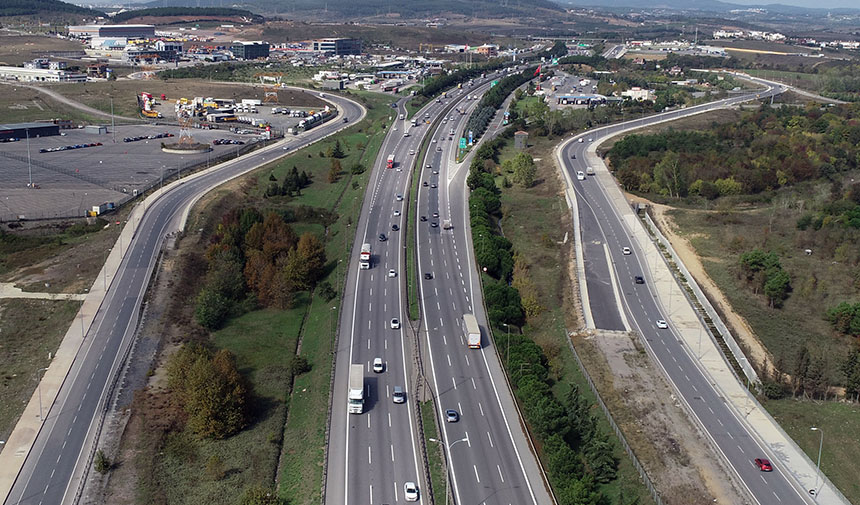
23	130
113	31
338	46
249	50
40	75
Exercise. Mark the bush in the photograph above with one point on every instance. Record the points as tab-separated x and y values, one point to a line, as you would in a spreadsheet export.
299	365
212	309
101	463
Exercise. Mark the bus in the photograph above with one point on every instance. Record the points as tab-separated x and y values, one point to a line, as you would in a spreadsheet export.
390	163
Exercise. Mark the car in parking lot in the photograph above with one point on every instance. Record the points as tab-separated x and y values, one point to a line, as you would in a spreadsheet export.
392	273
395	323
639	279
763	465
378	366
661	324
452	416
410	491
625	251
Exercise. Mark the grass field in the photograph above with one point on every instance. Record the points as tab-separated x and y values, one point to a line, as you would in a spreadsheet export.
16	49
840	423
22	354
719	237
438	476
19	104
532	222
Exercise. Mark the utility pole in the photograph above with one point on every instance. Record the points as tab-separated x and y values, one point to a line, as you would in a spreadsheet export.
29	166
112	122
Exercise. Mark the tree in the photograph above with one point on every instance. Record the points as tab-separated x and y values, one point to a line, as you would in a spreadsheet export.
215	396
336	150
258	495
672	175
524	170
212	309
851	371
600	459
334	171
312	251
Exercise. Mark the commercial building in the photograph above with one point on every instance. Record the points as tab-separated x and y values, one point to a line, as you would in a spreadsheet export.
338	46
639	94
23	130
249	50
113	31
40	75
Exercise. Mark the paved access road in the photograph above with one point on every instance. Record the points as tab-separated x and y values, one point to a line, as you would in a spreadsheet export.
52	469
490	461
617	302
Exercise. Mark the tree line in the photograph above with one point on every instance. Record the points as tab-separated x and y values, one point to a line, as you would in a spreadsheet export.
224	12
255	259
578	455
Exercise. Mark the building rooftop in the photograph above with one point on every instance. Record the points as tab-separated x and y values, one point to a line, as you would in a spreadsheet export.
18	126
79	27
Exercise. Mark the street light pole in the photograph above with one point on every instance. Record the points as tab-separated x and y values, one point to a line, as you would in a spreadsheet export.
447	454
818	471
39	387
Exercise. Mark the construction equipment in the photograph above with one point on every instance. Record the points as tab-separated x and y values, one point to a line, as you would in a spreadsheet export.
271	82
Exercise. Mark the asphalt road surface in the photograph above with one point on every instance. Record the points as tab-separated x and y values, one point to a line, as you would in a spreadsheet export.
609	271
52	470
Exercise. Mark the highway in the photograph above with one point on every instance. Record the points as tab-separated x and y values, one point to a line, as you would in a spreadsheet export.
53	468
489	459
610	279
372	455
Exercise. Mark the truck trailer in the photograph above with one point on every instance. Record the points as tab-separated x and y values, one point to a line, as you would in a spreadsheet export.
473	331
356	389
364	257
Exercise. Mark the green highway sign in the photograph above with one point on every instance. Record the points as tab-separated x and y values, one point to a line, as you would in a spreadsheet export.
462	143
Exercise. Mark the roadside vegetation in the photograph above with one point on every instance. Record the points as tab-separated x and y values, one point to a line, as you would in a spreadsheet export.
523	291
237	409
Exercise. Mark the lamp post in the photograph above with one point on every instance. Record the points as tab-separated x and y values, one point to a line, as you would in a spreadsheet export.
508	345
448	447
814	491
39	387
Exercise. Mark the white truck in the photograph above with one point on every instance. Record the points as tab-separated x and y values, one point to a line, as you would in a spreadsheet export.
473	331
364	257
355	403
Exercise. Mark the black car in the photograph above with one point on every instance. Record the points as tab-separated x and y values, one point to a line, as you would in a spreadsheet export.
428	276
639	279
434	224
394	227
382	237
423	218
426	184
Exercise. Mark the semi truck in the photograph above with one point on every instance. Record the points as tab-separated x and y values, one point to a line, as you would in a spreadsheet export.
356	389
473	331
364	257
390	162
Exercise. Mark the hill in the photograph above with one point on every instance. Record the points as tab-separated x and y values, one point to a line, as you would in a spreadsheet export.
45	9
716	6
408	9
165	15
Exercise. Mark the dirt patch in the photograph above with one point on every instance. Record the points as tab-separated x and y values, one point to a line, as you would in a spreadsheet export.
676	456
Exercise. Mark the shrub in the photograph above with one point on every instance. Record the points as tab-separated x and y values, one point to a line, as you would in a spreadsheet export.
101	463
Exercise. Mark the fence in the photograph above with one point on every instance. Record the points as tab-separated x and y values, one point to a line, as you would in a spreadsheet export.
633	459
713	323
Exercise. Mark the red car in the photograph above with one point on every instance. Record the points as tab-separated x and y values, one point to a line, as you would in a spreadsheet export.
763	465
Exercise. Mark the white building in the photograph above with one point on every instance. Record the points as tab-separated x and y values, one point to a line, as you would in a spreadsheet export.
40	75
639	94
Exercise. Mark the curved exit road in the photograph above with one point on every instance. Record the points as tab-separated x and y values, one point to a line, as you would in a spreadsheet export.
53	469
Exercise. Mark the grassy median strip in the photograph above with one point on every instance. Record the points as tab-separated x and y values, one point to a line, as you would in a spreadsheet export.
435	456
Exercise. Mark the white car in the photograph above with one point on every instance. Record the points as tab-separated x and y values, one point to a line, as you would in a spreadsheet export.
410	491
661	324
399	198
396	213
392	273
625	251
434	141
429	166
395	323
580	175
412	152
378	367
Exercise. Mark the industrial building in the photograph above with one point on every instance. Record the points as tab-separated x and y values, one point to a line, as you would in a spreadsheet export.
40	75
249	50
31	130
113	31
338	46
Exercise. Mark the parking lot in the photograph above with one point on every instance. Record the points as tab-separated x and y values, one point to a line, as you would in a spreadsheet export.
66	183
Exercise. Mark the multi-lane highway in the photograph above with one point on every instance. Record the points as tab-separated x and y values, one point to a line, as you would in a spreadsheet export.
618	302
54	465
373	455
489	459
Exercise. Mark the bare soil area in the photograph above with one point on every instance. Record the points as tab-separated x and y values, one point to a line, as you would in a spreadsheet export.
678	459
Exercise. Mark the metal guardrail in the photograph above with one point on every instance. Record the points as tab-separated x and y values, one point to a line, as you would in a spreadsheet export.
633	459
